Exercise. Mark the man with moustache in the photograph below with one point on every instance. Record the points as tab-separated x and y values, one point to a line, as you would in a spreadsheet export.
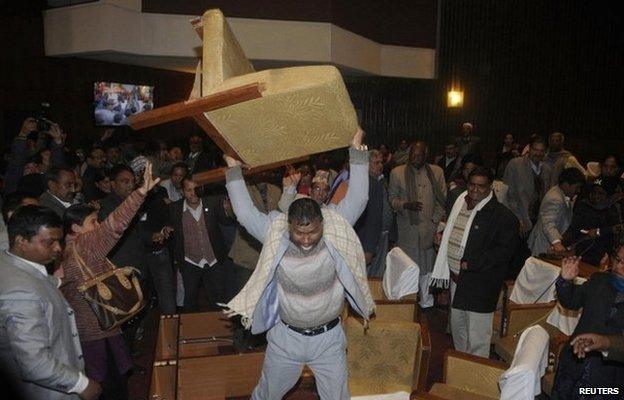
40	350
311	261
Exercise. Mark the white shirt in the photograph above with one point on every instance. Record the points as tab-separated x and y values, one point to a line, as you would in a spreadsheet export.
83	381
536	168
4	236
196	213
64	203
173	193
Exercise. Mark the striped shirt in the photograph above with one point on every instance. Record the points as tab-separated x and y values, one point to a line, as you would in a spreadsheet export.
455	252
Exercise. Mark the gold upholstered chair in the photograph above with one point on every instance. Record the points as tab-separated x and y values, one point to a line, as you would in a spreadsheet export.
387	357
466	377
505	347
301	111
405	309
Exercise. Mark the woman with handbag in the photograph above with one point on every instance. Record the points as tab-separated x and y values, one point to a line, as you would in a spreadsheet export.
102	295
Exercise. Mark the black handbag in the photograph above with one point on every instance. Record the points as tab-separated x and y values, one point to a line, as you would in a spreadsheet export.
114	296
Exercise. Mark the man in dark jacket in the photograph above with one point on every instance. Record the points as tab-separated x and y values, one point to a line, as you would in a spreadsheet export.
373	227
483	237
129	250
450	162
199	249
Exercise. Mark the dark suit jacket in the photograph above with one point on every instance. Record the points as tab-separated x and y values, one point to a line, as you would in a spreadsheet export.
491	244
202	163
597	298
130	249
47	200
616	352
451	170
214	214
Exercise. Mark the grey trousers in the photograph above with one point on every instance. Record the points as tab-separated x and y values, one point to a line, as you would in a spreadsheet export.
288	351
471	331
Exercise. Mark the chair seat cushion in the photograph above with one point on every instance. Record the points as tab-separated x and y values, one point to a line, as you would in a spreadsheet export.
451	392
302	111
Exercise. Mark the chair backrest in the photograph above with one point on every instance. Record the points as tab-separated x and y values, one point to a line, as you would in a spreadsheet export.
405	309
386	358
222	55
522	379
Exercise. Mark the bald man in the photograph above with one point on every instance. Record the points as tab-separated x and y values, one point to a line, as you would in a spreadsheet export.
417	192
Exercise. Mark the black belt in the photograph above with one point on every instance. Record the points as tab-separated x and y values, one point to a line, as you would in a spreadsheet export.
317	330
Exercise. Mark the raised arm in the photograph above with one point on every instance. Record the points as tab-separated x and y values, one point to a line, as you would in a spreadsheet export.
548	213
289	193
356	198
256	222
100	241
570	295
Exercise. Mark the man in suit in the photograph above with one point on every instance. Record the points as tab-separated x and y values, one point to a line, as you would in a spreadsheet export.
450	162
61	183
528	179
130	249
198	160
555	214
39	346
477	247
199	249
373	227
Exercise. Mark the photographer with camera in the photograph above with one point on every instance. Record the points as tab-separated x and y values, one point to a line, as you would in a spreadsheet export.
40	141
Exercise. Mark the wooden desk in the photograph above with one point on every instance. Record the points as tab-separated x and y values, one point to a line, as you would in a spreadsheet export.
585	270
195	359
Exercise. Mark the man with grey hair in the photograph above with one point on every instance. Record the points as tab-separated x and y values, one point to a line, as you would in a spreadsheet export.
417	193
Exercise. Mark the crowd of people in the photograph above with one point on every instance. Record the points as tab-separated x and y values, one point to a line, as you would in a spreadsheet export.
468	224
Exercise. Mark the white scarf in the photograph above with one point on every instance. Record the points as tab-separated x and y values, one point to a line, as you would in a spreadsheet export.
440	276
336	230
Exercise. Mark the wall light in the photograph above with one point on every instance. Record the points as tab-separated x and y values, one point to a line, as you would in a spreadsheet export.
455	98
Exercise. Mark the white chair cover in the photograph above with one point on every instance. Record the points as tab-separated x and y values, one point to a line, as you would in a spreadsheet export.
401	276
522	380
537	279
563	319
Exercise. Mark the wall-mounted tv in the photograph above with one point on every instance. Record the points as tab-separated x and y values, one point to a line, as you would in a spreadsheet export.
114	102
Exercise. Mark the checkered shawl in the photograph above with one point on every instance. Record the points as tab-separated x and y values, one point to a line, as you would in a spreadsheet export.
336	230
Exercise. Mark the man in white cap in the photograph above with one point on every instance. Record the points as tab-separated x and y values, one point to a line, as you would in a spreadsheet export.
467	142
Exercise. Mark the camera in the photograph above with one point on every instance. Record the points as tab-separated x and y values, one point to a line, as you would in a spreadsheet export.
42	117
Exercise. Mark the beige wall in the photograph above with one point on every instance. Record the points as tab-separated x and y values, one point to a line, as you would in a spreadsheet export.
116	30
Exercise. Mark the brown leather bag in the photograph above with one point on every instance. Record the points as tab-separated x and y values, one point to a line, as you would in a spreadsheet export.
114	296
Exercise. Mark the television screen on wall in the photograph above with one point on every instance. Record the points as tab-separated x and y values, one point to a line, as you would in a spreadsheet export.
114	102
